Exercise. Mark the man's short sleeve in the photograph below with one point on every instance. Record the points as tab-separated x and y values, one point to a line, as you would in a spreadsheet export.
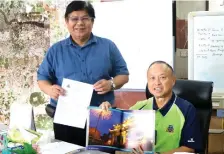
191	136
119	66
45	71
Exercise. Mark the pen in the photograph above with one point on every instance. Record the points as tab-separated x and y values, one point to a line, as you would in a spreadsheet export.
76	151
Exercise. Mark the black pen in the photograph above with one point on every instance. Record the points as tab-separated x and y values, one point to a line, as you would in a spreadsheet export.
76	151
142	107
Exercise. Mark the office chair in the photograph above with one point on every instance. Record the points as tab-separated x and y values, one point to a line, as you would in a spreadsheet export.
50	110
199	93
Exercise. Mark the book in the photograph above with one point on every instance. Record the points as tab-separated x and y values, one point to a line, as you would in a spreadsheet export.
120	130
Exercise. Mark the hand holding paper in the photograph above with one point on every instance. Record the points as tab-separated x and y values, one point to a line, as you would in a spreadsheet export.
56	91
72	107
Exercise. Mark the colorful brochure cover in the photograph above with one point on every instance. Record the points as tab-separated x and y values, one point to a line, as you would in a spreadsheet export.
121	130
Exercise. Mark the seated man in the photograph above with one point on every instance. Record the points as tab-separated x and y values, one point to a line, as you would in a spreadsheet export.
177	128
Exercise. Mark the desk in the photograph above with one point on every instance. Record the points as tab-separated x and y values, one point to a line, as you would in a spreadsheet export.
216	134
58	147
216	131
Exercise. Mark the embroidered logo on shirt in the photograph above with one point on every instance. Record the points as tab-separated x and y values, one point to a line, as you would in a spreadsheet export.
191	140
170	129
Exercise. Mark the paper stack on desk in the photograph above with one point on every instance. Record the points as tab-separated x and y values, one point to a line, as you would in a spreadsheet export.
58	148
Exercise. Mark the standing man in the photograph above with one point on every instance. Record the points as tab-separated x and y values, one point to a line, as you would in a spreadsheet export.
82	57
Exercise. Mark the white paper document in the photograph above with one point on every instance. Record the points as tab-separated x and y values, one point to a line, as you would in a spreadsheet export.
72	108
58	148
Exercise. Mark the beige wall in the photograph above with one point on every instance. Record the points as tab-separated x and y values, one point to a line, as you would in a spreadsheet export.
183	8
216	5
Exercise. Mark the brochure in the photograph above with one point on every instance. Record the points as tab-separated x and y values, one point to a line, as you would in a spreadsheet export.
120	130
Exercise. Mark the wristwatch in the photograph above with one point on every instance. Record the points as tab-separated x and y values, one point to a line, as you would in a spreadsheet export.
113	86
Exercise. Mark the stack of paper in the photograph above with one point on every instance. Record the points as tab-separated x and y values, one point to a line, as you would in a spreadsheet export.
58	148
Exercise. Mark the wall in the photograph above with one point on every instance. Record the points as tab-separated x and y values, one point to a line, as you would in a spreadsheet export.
182	10
27	29
25	36
216	5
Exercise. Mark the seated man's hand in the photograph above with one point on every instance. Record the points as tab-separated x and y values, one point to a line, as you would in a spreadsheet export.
36	148
105	106
138	150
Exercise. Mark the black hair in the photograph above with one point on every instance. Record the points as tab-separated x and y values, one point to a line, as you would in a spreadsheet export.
161	62
78	6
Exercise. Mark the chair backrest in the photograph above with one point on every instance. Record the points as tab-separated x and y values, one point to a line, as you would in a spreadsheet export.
199	93
50	110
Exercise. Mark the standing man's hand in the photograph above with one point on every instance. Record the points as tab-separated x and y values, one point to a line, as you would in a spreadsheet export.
102	86
56	91
105	106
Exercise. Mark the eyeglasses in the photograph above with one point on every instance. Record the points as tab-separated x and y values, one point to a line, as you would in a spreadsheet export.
83	19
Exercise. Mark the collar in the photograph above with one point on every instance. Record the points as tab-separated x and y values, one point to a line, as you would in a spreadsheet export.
166	107
93	39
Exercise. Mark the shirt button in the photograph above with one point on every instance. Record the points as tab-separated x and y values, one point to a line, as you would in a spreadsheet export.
82	60
84	74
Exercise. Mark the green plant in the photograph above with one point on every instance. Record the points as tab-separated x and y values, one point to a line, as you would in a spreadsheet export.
37	98
6	99
43	121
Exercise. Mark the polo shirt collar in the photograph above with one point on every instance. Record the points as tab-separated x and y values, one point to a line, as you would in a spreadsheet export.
166	107
92	39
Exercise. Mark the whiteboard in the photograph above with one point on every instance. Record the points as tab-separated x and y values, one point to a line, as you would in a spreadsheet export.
142	33
206	48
